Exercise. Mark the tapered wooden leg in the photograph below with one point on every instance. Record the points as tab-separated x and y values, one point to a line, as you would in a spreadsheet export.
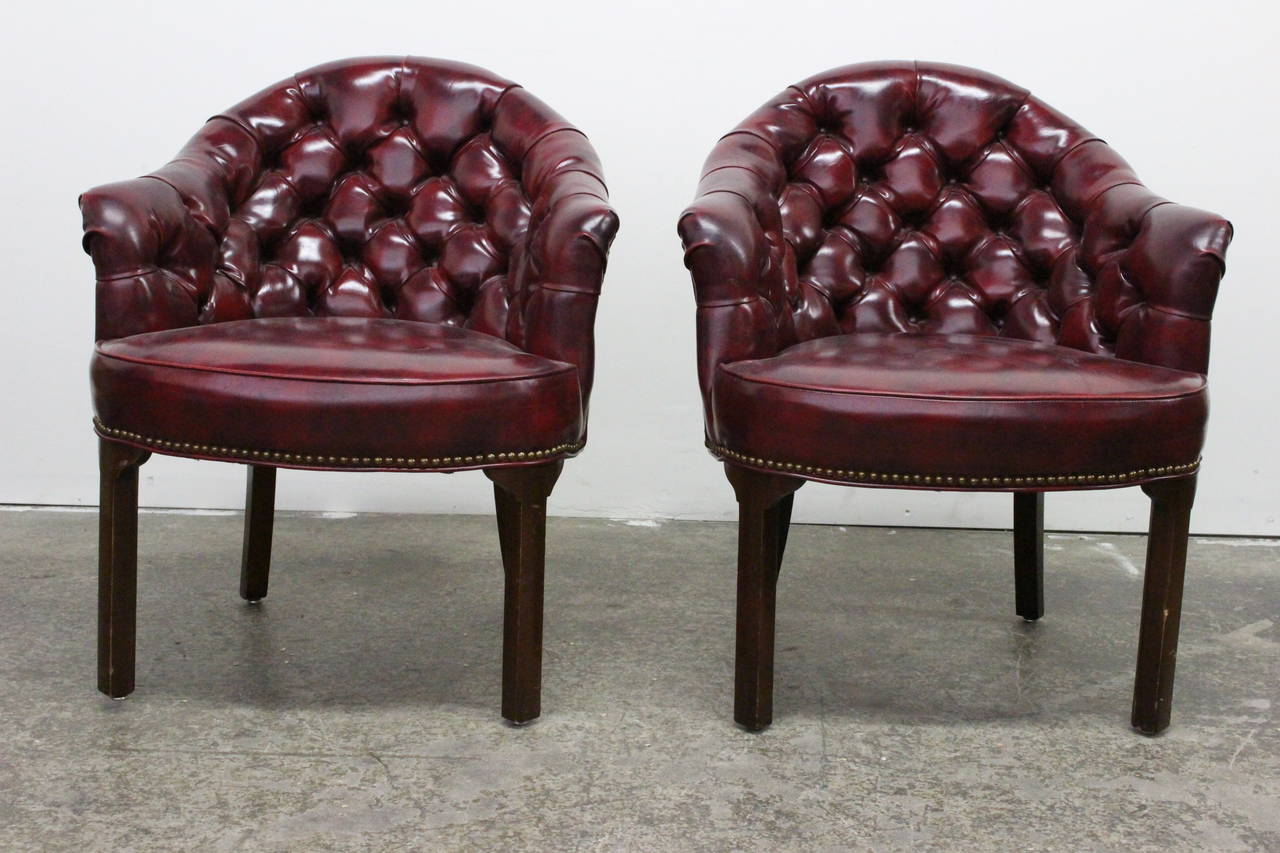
117	565
1028	554
520	497
508	512
259	518
1162	601
764	513
784	524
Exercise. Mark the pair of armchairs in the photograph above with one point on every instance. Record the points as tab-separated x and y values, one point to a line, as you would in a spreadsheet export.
908	275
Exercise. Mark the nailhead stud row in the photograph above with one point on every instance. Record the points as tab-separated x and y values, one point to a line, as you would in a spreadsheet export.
339	461
947	480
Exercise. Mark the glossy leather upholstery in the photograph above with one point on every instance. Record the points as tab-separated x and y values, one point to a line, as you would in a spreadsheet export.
339	392
368	261
884	408
919	274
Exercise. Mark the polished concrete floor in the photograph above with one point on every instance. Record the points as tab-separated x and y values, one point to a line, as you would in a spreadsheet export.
356	708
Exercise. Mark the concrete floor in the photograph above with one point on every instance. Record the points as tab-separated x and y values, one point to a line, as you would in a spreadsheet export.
356	709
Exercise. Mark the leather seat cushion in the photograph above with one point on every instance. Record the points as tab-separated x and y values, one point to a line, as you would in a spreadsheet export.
957	410
333	392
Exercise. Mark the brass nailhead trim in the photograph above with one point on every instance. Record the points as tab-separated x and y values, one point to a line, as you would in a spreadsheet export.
948	480
334	461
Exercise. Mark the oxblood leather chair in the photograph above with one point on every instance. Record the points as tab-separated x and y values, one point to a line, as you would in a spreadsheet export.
376	265
919	276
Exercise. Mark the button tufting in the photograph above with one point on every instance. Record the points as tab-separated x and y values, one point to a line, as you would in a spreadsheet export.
348	179
982	190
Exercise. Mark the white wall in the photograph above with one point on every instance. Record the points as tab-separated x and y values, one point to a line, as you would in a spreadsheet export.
101	91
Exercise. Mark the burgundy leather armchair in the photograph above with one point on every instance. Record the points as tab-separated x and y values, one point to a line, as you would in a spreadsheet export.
378	265
914	275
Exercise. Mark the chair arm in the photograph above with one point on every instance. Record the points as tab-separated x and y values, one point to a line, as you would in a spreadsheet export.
1158	269
566	252
154	262
736	253
548	305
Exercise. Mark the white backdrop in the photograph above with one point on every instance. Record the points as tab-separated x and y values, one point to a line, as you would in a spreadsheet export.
102	91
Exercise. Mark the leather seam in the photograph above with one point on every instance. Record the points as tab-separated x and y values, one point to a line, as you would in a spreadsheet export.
727	303
1148	306
748	132
566	127
763	179
498	100
181	198
566	368
1054	168
728	368
141	271
1100	193
579	170
257	143
563	288
750	205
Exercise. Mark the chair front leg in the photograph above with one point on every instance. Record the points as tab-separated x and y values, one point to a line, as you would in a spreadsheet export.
117	565
1162	601
259	518
784	524
1028	554
764	515
520	497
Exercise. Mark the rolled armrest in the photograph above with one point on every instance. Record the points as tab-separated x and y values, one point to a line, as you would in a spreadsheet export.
153	260
1157	269
557	273
567	253
738	257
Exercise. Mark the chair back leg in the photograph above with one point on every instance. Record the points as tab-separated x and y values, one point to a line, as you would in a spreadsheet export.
117	565
1028	554
259	519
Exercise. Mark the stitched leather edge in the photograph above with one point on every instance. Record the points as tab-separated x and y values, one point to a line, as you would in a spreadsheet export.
556	368
730	368
317	460
952	481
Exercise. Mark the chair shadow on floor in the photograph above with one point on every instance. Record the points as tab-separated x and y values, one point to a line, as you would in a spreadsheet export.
948	658
331	635
322	637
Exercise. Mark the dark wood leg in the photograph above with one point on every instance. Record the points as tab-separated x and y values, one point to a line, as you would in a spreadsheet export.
784	524
508	512
259	517
117	565
1028	554
520	497
764	512
1162	601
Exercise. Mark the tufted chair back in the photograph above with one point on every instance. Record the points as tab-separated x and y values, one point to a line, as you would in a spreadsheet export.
927	198
416	189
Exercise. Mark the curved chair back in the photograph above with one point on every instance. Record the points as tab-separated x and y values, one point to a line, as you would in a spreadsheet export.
418	189
928	198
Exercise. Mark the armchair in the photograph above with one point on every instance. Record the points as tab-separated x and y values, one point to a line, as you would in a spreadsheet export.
377	265
915	275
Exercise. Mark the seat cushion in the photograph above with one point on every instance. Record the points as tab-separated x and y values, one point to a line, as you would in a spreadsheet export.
956	411
337	392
